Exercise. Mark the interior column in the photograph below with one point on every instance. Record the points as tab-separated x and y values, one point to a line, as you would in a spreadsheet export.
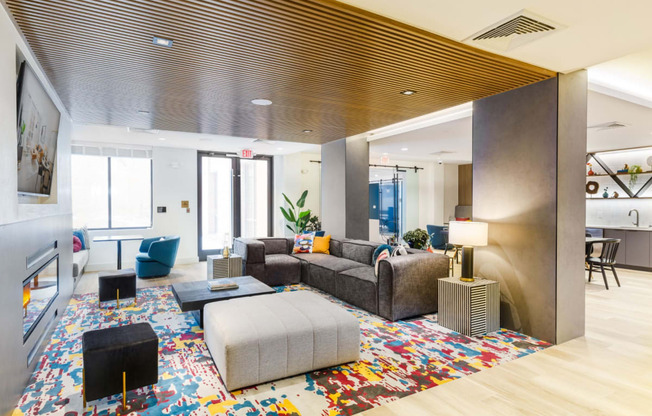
345	188
529	155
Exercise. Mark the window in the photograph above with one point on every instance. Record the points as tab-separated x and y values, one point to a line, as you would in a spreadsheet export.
111	192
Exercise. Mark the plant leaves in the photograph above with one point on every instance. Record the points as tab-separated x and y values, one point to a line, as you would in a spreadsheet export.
291	229
286	215
288	201
305	214
301	202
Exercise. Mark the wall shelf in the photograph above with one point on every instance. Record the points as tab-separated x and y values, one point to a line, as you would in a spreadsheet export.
610	162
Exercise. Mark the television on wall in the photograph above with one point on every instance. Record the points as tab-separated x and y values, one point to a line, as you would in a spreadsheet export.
37	131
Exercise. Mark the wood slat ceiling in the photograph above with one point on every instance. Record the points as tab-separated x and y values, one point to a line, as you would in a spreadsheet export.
327	67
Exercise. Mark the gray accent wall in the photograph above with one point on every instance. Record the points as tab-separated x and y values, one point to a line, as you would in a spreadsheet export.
27	225
345	188
529	149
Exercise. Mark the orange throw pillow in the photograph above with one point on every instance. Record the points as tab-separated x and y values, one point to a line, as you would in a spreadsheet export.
322	245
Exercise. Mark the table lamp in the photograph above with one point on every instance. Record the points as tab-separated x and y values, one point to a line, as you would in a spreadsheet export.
467	234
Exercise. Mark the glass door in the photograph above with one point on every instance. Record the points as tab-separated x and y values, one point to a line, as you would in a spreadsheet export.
234	200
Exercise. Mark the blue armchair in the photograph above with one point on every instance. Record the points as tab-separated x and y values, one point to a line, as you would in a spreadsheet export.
157	256
439	237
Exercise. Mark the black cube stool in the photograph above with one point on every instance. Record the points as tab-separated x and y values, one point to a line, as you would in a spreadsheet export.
116	284
118	359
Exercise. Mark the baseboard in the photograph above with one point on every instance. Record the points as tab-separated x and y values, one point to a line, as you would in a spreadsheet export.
100	267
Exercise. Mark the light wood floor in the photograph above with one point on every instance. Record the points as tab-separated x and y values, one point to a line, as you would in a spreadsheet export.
606	372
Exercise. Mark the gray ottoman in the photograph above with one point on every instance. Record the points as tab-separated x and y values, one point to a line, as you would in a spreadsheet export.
263	338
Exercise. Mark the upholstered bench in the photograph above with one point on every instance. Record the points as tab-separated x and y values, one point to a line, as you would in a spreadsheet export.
116	284
263	338
118	359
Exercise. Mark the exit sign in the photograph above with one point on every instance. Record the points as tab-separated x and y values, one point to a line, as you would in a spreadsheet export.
247	154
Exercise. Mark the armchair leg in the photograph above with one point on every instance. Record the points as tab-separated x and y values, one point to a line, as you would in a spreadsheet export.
84	387
124	390
590	271
117	297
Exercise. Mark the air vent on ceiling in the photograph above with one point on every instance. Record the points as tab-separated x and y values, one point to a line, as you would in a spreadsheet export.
608	126
514	31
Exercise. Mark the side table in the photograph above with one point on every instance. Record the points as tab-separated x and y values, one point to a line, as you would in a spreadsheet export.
470	308
218	266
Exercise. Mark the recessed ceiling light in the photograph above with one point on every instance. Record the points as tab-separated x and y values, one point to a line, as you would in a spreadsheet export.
261	101
143	111
279	148
385	154
162	138
307	131
404	149
162	42
408	92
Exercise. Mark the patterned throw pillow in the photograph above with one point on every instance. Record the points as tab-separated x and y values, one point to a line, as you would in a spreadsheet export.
80	234
303	243
76	244
383	251
399	251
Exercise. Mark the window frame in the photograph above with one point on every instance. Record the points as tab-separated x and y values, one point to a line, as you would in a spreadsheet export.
110	211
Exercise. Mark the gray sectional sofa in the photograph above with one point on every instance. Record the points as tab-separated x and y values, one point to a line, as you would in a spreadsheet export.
406	286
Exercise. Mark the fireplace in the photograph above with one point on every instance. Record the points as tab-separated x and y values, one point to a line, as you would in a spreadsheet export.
39	291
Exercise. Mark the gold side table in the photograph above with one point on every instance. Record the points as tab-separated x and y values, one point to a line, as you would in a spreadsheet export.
218	267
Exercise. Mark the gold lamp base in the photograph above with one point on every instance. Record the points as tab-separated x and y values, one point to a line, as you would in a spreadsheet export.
467	279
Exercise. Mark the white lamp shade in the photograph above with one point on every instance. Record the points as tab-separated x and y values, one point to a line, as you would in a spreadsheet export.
468	233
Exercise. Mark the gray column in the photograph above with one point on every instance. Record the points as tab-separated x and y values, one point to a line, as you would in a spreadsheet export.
345	188
529	149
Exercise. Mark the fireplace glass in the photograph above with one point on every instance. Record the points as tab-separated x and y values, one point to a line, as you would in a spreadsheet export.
39	291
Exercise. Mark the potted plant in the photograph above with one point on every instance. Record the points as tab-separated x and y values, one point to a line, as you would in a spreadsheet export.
296	218
313	224
417	238
634	170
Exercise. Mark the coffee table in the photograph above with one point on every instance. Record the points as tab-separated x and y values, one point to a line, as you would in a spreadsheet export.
192	296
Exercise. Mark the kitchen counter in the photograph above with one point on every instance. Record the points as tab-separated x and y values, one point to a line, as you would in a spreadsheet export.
622	227
635	249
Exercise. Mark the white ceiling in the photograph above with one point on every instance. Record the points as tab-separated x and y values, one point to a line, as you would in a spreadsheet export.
629	77
455	136
596	30
208	142
452	139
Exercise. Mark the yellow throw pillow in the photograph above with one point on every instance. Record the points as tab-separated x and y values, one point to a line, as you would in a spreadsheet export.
321	245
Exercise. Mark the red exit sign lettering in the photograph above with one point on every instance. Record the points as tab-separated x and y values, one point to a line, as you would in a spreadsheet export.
247	154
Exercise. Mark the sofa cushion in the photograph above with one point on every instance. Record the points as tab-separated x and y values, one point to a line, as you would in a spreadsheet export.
358	287
282	269
275	245
335	247
359	251
79	261
327	261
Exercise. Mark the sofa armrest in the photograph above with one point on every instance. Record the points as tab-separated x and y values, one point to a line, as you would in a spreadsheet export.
251	250
407	285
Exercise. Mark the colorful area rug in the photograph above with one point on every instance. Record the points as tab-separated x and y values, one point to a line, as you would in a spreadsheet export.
397	359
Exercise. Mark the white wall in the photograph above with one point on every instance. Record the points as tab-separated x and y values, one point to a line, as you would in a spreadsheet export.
294	174
174	177
450	191
613	212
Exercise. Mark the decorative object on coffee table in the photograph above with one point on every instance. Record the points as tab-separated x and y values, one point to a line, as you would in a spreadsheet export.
192	296
255	340
470	308
468	234
117	283
118	359
219	266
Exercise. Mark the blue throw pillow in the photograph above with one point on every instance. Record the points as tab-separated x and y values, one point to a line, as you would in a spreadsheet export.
80	234
320	233
383	251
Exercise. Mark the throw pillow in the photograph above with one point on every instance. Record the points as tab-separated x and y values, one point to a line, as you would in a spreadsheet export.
80	234
76	244
303	243
87	238
321	244
462	219
382	252
399	251
320	233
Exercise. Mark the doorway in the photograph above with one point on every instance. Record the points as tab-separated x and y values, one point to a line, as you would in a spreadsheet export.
234	200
